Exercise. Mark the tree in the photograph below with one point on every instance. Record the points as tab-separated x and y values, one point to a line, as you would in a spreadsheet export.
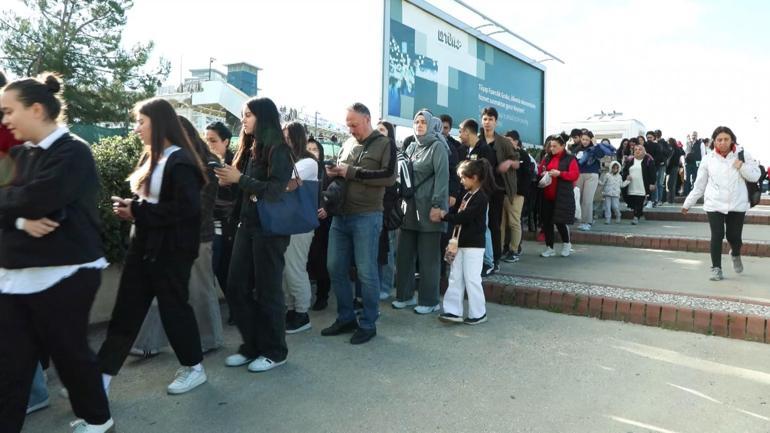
81	40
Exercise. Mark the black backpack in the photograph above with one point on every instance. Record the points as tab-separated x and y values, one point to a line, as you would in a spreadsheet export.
755	188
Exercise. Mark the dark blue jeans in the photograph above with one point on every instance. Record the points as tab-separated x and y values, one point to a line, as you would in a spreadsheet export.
353	239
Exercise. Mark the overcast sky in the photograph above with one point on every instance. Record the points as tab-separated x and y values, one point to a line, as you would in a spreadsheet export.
675	65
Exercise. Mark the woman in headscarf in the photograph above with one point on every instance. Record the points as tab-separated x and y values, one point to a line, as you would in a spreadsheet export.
422	226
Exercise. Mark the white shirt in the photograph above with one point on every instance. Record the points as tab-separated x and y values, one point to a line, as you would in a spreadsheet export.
34	280
636	187
722	186
307	169
156	181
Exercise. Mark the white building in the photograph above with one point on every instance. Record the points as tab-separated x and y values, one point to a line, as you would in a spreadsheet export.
613	126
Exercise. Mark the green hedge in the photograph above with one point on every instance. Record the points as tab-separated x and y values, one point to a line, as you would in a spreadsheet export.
116	158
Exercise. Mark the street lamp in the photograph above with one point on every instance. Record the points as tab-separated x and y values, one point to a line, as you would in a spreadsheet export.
211	60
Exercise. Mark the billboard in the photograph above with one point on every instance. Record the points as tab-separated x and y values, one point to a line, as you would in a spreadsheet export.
434	61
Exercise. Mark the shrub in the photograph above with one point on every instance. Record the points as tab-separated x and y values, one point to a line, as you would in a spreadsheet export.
115	158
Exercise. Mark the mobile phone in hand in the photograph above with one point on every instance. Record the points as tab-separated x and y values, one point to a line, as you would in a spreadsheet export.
215	164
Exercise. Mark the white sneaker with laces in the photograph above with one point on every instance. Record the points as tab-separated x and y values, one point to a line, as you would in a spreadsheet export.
83	427
427	309
566	250
400	305
186	379
237	360
549	252
263	364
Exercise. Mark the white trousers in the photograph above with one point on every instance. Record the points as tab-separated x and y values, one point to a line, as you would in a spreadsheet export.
465	276
296	282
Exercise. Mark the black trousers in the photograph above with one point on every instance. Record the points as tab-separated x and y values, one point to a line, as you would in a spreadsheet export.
547	218
671	185
140	282
54	322
636	202
721	225
255	294
495	221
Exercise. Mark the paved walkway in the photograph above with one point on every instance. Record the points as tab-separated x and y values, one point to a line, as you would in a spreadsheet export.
751	232
670	271
523	371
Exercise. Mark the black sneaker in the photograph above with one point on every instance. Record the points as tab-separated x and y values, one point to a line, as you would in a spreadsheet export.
290	318
470	321
358	306
300	323
511	257
320	304
496	268
487	271
450	318
338	328
361	336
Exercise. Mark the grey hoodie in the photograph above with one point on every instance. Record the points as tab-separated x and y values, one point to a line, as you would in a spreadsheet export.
430	157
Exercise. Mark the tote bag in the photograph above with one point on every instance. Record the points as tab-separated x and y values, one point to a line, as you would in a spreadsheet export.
294	212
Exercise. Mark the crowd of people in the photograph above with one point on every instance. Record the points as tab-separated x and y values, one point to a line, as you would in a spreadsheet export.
392	221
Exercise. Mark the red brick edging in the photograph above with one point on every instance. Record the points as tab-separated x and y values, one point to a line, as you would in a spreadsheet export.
738	326
656	242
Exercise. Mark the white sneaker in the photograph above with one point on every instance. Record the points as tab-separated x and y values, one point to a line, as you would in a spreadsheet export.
186	379
83	427
384	296
424	309
263	364
237	360
566	250
400	305
549	252
649	205
635	221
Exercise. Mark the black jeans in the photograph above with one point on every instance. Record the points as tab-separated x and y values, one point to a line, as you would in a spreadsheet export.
55	322
255	294
671	184
222	250
141	281
731	225
546	217
636	202
495	221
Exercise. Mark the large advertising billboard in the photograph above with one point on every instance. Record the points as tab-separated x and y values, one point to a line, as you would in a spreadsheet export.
434	61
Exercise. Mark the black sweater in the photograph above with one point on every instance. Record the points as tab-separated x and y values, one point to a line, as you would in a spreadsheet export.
59	183
472	219
172	226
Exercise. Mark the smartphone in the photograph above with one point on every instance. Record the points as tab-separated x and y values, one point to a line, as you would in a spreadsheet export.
330	164
215	164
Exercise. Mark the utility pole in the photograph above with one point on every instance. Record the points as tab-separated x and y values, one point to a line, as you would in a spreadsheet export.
211	60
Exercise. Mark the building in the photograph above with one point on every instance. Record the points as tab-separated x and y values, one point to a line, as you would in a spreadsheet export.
613	126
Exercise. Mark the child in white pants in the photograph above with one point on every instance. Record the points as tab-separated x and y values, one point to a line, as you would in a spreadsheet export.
612	183
467	247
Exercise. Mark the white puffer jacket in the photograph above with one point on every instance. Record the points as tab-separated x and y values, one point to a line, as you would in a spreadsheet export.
723	185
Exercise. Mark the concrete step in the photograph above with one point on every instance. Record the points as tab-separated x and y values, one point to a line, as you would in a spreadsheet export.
668	235
644	286
757	215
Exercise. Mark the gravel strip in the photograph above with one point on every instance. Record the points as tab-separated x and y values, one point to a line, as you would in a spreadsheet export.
645	296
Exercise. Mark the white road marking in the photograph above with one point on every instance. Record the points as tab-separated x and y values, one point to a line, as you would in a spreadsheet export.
639	424
753	414
694	392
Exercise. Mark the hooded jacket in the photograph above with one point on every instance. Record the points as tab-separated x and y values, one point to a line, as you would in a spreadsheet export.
612	183
723	186
430	159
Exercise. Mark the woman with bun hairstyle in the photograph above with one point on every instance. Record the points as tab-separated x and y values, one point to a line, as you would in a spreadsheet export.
204	290
166	216
51	257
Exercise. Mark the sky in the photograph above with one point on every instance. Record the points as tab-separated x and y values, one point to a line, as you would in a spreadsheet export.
674	65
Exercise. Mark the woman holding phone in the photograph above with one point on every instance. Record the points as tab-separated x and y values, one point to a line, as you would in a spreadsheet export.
166	212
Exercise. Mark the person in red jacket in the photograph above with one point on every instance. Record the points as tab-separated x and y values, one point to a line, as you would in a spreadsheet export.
558	196
7	141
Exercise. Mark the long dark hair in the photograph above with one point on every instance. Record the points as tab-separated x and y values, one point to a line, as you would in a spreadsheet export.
547	146
298	141
200	146
267	129
482	169
721	129
391	129
165	125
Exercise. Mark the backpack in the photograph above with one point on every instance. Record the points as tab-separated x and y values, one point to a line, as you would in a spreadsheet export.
755	188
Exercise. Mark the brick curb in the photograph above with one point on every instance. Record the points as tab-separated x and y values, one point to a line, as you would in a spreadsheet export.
737	326
657	242
653	215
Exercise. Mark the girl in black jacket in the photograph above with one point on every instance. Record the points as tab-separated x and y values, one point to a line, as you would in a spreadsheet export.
468	217
262	169
166	212
50	257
